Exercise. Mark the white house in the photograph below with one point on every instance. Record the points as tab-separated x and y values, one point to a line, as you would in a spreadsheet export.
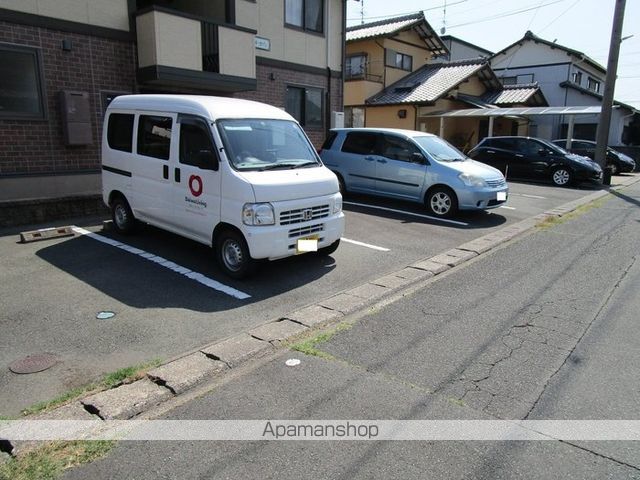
566	77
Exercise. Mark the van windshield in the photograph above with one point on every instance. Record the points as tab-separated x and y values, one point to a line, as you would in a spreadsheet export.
439	149
256	144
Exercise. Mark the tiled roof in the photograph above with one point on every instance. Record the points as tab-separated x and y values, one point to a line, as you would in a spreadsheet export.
428	83
530	36
384	27
512	94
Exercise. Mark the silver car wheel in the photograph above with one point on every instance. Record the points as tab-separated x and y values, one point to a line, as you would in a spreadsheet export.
440	203
561	177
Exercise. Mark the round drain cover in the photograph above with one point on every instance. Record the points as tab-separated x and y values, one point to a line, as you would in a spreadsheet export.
34	363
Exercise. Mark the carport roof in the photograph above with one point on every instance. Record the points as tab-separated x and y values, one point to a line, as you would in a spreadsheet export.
522	111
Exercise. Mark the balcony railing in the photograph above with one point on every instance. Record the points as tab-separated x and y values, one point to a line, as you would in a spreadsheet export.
172	39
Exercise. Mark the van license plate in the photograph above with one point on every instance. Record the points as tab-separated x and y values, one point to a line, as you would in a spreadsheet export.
309	244
502	196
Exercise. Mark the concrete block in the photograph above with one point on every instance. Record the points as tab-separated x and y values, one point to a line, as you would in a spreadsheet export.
71	411
186	372
431	266
368	291
238	349
313	315
463	255
45	234
453	257
480	245
411	273
343	302
391	281
278	331
127	401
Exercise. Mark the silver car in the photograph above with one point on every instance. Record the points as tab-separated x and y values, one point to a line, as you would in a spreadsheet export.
411	165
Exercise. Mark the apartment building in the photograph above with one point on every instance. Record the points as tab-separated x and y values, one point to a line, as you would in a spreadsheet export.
65	60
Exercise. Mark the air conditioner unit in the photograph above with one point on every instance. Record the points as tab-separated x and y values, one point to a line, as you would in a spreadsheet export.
337	119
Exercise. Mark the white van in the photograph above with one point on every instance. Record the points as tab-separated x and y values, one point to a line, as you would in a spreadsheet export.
237	175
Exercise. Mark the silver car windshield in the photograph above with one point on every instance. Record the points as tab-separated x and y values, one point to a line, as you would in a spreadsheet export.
439	149
262	144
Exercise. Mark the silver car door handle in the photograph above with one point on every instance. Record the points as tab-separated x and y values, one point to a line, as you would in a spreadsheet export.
519	156
381	161
491	151
369	159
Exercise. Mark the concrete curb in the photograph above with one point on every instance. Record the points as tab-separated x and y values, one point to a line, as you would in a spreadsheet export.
208	362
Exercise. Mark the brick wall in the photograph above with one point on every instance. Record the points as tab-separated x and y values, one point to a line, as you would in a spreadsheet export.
93	64
273	92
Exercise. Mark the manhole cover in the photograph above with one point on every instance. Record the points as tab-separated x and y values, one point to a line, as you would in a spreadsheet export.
34	363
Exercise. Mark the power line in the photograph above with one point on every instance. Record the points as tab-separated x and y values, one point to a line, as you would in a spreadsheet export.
409	13
506	14
553	21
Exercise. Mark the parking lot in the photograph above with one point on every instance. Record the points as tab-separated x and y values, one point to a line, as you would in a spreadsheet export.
169	297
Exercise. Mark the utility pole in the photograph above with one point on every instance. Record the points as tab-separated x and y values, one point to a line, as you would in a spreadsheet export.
602	136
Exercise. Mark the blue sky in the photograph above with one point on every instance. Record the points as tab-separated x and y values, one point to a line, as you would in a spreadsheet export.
583	25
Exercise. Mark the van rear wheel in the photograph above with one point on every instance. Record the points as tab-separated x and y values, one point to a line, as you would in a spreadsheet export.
233	255
123	220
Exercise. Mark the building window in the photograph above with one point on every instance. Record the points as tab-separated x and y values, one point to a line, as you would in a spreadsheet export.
305	14
21	85
509	80
593	84
576	78
305	105
356	66
398	60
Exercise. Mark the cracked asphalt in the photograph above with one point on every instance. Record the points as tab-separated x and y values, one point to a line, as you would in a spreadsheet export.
543	328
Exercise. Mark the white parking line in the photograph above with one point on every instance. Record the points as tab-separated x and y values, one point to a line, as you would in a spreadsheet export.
163	262
528	196
372	247
454	222
508	208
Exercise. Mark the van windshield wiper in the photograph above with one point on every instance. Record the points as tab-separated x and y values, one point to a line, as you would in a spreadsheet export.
283	166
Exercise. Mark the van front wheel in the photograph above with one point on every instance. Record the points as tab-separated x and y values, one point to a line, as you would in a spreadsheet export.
233	255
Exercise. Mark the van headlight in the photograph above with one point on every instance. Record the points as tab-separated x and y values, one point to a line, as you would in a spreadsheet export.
337	205
472	180
258	214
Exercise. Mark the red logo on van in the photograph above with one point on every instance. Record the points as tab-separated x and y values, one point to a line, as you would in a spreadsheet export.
195	185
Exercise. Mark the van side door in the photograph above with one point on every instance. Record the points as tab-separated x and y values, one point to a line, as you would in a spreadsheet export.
151	189
399	172
196	179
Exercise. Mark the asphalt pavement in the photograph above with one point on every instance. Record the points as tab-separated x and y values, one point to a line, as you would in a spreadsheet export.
52	291
543	328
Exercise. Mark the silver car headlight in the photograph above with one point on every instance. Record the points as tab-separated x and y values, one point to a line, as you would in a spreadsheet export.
472	180
258	214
